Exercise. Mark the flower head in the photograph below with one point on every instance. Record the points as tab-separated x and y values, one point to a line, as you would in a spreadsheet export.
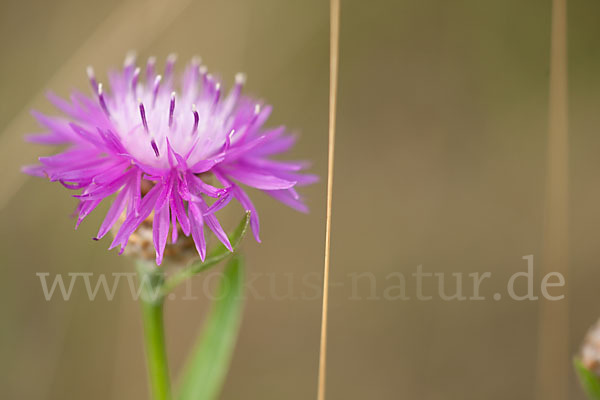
590	350
172	150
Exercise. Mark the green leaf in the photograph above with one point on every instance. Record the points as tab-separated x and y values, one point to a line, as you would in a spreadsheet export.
208	364
589	381
235	238
216	255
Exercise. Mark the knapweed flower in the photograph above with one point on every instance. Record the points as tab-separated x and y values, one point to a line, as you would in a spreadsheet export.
590	350
173	151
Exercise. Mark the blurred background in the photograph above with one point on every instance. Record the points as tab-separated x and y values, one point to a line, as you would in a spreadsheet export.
441	162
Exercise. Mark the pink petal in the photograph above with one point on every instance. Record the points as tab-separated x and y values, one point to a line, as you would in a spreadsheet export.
133	221
259	180
197	229
288	198
114	212
160	231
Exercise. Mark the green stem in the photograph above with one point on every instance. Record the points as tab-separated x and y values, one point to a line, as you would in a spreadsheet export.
155	350
154	287
151	281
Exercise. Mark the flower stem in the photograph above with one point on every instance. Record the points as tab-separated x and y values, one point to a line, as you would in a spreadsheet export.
151	281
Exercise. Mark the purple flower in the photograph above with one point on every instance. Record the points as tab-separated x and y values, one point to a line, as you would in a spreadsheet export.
162	151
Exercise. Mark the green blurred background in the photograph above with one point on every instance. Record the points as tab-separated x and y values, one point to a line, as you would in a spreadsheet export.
441	151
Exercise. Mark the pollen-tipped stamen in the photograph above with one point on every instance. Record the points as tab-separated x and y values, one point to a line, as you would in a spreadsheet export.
129	63
203	70
102	101
196	118
171	59
230	135
257	111
134	80
217	96
172	109
150	68
155	89
207	84
193	72
92	77
240	81
154	147
145	124
143	115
